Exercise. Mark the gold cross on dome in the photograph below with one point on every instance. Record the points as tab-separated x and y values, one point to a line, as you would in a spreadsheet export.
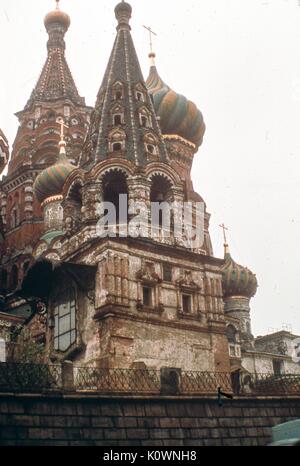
150	35
224	228
57	4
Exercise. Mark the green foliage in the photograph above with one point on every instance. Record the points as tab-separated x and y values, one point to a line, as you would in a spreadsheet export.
27	350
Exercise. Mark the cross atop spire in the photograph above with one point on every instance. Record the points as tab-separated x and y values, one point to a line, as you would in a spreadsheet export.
150	36
224	228
226	247
57	4
151	54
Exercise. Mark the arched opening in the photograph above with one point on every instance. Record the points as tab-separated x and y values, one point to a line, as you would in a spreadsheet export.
114	185
74	200
118	91
116	140
14	278
160	193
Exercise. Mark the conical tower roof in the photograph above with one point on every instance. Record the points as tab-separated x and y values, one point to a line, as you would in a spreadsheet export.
55	81
124	91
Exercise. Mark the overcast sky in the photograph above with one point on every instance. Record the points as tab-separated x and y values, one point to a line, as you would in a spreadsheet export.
239	61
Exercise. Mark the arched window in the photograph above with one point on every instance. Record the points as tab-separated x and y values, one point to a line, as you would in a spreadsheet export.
65	319
114	184
145	118
118	91
116	140
73	205
140	93
117	115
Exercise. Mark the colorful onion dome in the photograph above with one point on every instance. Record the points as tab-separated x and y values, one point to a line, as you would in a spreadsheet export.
50	181
57	16
178	115
237	280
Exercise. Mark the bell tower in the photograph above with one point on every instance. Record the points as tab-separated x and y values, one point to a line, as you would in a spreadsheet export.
158	299
54	99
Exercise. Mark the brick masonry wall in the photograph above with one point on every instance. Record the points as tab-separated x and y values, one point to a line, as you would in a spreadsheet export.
57	420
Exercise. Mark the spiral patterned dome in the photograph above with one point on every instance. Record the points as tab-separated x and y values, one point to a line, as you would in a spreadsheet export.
178	115
237	280
50	181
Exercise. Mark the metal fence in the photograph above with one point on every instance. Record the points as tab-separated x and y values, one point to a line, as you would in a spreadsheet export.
167	381
117	380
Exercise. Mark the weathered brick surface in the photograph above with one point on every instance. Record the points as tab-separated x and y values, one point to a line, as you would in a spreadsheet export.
43	420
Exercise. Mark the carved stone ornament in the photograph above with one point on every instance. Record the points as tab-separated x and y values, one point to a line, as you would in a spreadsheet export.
148	275
186	281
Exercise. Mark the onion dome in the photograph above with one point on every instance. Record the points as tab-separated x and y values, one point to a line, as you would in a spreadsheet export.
57	17
236	279
50	181
123	12
177	114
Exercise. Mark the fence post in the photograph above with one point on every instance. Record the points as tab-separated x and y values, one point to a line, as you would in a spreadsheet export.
67	373
170	380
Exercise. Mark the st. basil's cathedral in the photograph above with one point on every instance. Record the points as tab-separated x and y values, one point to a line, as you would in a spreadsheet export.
117	302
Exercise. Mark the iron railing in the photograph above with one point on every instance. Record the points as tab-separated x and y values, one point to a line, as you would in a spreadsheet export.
261	384
117	380
204	382
167	381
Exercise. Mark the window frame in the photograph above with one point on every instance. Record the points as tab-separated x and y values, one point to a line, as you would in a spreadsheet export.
71	330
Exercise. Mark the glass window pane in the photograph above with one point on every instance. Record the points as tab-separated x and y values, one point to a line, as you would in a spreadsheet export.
65	320
64	342
64	324
73	320
64	309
